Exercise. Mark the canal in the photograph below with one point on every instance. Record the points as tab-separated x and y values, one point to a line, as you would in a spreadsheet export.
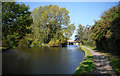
50	60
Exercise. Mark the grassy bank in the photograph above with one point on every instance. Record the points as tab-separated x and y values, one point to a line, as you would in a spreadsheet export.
87	65
114	60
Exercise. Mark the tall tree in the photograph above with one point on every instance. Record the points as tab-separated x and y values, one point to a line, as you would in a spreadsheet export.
15	22
83	35
51	23
80	33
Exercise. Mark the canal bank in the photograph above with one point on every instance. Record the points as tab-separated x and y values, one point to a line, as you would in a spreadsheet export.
105	64
87	65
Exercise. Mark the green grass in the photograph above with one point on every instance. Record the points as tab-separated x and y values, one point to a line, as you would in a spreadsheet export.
93	48
87	65
87	52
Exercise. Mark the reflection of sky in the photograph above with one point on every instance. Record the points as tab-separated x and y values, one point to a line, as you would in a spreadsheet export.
72	47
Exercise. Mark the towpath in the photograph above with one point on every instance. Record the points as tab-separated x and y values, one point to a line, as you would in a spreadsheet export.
102	63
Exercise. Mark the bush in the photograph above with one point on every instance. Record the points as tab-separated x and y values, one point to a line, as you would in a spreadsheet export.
115	62
36	44
53	43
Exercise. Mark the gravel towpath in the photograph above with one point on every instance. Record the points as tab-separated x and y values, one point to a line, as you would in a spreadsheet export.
102	63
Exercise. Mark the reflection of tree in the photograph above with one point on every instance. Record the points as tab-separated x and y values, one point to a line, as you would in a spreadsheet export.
15	62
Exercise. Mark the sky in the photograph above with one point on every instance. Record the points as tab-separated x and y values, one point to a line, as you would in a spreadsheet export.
83	13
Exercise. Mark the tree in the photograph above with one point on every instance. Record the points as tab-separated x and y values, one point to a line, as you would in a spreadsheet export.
83	35
80	32
51	23
106	30
16	21
0	24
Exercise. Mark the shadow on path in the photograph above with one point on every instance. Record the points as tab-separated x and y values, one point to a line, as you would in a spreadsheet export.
102	63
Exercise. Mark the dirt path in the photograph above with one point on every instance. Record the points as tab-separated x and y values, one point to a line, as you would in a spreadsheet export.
102	63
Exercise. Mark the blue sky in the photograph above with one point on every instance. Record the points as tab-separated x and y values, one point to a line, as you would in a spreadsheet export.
80	12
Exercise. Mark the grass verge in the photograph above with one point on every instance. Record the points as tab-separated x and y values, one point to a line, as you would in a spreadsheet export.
114	60
87	65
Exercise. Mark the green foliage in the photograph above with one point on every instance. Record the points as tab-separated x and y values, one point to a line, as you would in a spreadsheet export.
45	45
87	65
54	42
36	43
15	22
80	33
106	31
0	24
115	62
50	23
83	35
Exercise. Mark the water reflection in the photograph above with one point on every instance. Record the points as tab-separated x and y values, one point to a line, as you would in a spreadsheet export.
52	60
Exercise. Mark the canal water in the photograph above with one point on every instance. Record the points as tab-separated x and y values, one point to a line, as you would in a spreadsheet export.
50	60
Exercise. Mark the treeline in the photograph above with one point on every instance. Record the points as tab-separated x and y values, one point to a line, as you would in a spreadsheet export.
83	35
106	31
16	21
44	25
